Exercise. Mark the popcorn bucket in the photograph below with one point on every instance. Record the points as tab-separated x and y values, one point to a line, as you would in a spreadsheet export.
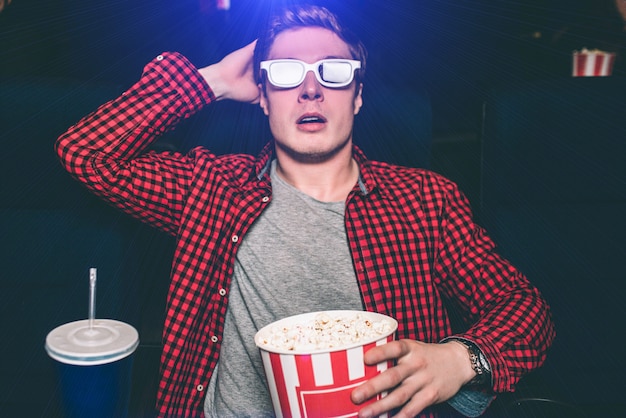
592	63
312	380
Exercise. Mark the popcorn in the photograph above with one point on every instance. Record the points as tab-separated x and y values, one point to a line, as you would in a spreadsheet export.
313	361
592	63
326	331
590	51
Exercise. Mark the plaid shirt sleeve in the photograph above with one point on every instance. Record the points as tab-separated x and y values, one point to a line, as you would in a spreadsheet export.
511	321
104	149
418	253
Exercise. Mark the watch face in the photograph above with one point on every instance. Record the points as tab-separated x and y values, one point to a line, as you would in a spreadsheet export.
483	362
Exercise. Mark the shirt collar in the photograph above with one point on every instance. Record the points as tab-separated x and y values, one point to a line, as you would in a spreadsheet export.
264	162
367	181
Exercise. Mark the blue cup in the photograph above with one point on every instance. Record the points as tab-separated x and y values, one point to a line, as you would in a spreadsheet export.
94	362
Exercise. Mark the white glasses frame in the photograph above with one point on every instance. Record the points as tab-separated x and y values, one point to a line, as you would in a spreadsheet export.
354	65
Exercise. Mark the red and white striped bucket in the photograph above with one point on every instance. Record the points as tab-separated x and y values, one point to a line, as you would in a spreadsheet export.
592	63
318	383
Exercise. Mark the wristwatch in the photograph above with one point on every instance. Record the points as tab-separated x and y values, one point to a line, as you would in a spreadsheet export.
479	363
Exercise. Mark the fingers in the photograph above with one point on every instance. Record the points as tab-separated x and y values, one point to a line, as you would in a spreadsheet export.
404	407
410	395
381	383
240	60
386	380
233	77
390	351
411	386
408	408
391	379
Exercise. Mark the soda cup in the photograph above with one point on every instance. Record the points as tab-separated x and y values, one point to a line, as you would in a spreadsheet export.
94	359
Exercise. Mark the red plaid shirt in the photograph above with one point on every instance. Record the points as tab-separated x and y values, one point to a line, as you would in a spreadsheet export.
412	239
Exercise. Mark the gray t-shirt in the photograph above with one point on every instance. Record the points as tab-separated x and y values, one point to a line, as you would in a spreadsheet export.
294	259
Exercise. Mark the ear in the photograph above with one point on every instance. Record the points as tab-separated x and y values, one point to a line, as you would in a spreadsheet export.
263	99
358	99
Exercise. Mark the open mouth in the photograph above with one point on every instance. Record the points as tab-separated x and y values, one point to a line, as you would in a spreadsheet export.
306	119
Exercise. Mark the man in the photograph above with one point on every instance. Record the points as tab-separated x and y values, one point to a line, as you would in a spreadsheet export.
310	224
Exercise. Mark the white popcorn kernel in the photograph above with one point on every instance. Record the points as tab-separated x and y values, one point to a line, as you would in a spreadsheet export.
325	332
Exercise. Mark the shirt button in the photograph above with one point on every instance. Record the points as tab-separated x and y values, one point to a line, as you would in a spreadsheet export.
214	339
222	292
235	238
200	388
265	199
159	57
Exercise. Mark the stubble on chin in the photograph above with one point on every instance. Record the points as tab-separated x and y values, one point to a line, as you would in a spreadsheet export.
312	156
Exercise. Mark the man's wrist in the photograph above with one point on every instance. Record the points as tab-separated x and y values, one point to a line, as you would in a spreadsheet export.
478	361
213	78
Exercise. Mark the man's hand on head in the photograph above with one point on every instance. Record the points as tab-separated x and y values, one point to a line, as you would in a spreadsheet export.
233	77
424	375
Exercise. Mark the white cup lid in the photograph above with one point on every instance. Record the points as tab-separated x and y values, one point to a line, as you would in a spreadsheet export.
79	344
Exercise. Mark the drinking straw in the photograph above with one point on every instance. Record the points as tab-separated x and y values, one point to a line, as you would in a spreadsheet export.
92	296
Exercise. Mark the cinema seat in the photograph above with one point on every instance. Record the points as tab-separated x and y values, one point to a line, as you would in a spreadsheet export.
554	200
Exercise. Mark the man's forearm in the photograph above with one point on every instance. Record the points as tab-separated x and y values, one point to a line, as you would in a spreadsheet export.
510	321
104	149
169	90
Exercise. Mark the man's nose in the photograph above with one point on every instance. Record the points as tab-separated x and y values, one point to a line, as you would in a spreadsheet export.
311	89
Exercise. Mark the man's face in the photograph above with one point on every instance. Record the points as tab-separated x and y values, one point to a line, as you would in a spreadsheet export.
310	122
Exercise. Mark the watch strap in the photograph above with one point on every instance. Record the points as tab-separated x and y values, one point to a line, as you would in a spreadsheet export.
478	361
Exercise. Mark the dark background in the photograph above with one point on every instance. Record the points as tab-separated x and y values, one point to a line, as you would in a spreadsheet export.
453	42
454	52
454	49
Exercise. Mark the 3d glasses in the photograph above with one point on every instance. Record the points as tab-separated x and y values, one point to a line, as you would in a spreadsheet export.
288	73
